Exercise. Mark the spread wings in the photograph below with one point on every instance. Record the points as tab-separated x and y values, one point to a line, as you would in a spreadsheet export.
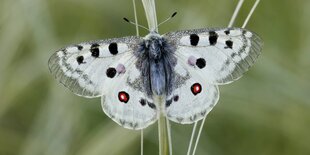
205	58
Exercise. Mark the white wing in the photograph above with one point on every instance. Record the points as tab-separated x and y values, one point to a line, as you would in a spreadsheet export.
126	101
220	56
83	67
206	58
193	97
107	68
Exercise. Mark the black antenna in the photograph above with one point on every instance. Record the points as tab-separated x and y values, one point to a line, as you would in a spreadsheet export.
175	13
127	20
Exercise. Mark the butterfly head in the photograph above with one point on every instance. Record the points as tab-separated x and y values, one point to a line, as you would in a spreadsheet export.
153	44
153	35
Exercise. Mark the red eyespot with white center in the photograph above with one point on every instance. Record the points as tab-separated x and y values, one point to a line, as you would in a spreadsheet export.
123	96
196	88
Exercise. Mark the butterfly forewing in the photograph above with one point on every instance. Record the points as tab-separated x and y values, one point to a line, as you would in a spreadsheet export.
83	67
220	56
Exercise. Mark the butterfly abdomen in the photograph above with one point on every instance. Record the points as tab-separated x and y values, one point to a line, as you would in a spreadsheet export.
157	77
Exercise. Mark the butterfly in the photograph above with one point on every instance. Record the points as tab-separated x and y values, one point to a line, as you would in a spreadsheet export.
175	74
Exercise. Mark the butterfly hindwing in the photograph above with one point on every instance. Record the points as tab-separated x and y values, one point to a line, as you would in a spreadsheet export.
83	68
192	97
125	101
219	55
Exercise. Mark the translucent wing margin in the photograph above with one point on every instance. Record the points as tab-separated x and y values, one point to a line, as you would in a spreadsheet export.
219	55
82	68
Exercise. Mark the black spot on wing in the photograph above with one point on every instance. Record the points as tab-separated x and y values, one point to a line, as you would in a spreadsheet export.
79	47
113	48
194	39
213	37
80	59
201	63
233	55
94	49
111	72
168	102
142	102
227	32
151	105
229	44
176	98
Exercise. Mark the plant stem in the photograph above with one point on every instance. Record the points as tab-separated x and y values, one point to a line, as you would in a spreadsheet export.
163	136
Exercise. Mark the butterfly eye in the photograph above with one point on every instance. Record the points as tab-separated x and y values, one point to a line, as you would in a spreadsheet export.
123	96
196	88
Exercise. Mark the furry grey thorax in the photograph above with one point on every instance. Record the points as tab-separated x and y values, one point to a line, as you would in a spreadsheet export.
156	63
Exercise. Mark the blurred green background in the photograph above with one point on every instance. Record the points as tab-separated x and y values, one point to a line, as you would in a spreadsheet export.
264	113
